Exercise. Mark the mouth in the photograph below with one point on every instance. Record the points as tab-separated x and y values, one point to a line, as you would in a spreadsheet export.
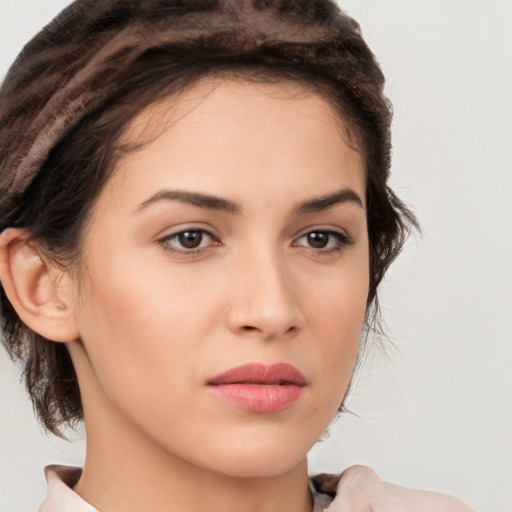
259	388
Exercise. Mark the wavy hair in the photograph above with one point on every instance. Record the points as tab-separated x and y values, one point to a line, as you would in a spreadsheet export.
75	87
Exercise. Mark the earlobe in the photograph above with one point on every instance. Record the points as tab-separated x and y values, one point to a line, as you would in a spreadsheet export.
39	291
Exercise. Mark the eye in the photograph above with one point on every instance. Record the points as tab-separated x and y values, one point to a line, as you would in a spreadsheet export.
324	240
188	241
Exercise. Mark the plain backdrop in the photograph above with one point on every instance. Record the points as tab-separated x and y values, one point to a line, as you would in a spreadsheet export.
433	410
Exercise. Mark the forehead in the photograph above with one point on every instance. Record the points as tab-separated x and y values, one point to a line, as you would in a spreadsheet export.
226	136
218	96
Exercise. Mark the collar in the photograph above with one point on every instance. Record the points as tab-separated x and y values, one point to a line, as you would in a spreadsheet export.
61	497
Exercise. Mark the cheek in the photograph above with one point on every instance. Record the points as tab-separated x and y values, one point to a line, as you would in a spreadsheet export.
337	301
336	315
140	330
150	331
144	316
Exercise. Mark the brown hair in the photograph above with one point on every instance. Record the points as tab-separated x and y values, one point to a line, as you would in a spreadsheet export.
77	85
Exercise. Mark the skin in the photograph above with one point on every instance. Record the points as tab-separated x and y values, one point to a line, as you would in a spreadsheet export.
155	323
150	324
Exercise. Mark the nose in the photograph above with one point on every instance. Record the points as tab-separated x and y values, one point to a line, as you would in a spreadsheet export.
266	301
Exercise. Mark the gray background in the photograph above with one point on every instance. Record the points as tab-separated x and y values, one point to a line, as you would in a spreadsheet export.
435	409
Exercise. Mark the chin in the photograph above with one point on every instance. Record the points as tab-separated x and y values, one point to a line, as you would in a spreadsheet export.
260	466
262	456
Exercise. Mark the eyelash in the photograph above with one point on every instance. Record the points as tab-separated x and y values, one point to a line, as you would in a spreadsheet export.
185	252
342	241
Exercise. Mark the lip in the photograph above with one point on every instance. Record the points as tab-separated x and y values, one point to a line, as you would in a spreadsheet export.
258	387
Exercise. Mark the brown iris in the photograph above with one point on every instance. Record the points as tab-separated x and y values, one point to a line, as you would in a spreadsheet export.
190	239
318	239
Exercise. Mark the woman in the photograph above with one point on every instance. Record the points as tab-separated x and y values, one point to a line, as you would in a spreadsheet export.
195	221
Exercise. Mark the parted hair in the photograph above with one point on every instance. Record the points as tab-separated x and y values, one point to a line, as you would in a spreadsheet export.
75	87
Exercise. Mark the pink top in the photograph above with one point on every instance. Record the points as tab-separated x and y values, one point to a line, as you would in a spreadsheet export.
62	498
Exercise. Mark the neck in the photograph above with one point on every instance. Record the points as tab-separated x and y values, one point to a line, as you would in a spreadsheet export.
128	476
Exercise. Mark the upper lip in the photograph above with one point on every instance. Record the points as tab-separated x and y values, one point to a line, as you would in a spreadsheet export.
259	373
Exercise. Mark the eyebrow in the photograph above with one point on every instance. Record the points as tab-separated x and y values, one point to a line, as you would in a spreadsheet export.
206	201
318	204
210	202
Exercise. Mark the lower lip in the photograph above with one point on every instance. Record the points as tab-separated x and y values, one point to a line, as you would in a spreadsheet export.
258	397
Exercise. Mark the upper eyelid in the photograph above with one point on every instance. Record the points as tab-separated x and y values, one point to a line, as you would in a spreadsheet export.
179	232
170	232
299	234
209	231
323	229
167	244
343	238
331	232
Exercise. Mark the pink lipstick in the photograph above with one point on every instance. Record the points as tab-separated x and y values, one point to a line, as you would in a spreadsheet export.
259	388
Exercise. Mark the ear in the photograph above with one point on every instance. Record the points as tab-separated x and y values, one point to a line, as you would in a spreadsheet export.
39	291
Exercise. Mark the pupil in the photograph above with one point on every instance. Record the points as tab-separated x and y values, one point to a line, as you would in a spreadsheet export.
191	239
318	240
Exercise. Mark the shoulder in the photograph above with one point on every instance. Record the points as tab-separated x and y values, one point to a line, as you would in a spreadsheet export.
60	495
360	486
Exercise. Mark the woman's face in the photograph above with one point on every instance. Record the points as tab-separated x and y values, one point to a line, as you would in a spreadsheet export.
225	279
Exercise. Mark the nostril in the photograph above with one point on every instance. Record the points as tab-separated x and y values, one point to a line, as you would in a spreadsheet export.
249	328
268	335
